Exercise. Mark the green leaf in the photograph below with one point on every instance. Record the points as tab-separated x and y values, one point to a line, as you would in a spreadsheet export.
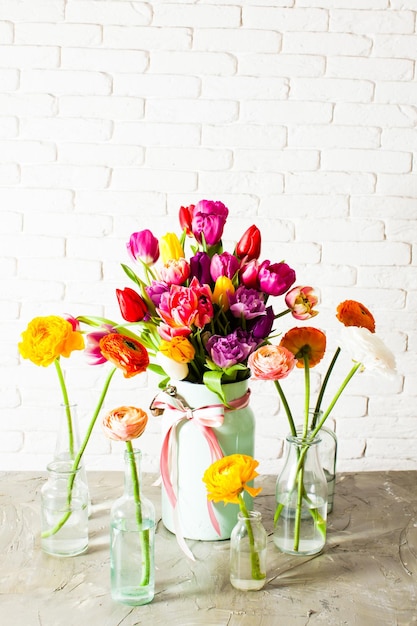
213	381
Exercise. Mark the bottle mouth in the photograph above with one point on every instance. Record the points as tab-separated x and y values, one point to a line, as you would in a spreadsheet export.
62	468
299	440
252	515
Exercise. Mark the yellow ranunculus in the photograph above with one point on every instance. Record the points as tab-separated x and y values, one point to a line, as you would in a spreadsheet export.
170	248
226	478
47	338
222	289
179	349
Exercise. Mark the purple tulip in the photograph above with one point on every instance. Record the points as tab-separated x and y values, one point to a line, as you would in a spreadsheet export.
246	303
143	246
231	349
224	264
200	268
275	279
155	291
209	218
260	327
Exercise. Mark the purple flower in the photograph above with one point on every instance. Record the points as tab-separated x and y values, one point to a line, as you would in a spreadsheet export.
200	268
231	349
246	303
260	327
92	351
224	264
209	218
155	291
143	246
276	278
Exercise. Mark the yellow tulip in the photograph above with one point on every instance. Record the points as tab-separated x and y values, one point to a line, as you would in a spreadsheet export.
170	248
222	290
179	349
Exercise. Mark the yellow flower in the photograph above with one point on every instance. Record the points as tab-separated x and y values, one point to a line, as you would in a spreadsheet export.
226	478
47	338
179	349
170	248
222	290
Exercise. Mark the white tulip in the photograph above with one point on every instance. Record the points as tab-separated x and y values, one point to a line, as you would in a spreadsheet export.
172	368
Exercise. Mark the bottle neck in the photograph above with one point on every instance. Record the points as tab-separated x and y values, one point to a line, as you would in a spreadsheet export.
132	472
253	516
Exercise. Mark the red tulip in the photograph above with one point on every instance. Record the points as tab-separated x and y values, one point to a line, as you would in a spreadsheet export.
186	218
249	245
132	307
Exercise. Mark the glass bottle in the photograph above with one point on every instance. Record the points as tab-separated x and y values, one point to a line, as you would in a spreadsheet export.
132	537
328	458
301	498
64	511
248	552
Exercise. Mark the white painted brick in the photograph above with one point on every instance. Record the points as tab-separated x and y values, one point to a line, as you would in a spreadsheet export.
84	270
129	179
236	40
401	230
103	107
341	230
383	206
368	22
393	138
68	224
193	63
286	112
10	222
245	135
384	115
36	290
331	89
189	158
244	182
199	111
66	176
287	65
29	56
27	151
366	160
403	4
330	182
401	185
375	69
8	311
276	160
11	441
32	105
152	134
107	155
6	32
122	202
244	87
65	82
392	448
56	200
195	15
69	129
28	246
157	86
346	4
350	448
395	46
285	19
326	44
9	174
8	267
369	252
103	60
9	79
44	34
8	127
104	12
396	92
333	136
388	277
147	38
28	11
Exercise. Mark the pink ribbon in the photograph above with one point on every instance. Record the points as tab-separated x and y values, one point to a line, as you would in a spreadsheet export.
205	418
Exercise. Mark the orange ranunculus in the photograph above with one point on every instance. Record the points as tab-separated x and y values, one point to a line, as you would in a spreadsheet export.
124	423
179	349
126	353
226	478
352	313
305	342
47	338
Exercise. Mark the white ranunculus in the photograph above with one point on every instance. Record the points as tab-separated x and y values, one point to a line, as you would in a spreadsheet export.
367	348
172	368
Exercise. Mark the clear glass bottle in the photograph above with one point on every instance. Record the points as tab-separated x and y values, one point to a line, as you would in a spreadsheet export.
132	538
64	511
248	552
301	498
328	458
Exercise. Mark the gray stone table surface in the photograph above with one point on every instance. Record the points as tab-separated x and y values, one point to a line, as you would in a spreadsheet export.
365	576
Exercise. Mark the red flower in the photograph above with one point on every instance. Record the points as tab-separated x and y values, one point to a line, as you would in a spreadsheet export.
186	218
305	342
352	313
249	245
126	353
132	307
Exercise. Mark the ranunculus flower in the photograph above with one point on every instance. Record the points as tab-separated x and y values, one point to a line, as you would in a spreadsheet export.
246	303
276	278
180	349
200	267
47	338
305	342
92	351
228	477
249	245
224	264
208	221
175	271
170	248
124	423
126	353
231	349
301	301
222	291
155	291
186	218
352	313
368	349
271	362
132	306
143	246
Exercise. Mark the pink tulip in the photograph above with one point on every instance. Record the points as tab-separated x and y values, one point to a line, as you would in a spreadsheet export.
143	246
208	220
301	301
175	272
275	278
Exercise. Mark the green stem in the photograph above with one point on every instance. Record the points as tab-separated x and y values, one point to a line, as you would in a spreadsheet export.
66	406
307	394
59	525
286	407
323	388
254	555
143	533
297	521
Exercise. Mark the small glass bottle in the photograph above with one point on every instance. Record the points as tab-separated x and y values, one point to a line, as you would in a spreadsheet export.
328	458
132	538
64	511
248	552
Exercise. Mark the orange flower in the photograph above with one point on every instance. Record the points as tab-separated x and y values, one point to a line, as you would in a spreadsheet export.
305	342
226	478
352	313
125	353
125	423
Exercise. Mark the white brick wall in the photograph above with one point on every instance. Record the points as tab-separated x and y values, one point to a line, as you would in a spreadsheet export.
300	115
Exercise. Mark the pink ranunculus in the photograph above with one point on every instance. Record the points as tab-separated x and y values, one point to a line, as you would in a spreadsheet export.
175	272
143	246
301	301
275	278
208	220
124	423
271	362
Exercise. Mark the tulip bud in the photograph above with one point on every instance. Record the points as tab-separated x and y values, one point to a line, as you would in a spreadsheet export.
186	218
249	245
171	248
132	307
143	246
